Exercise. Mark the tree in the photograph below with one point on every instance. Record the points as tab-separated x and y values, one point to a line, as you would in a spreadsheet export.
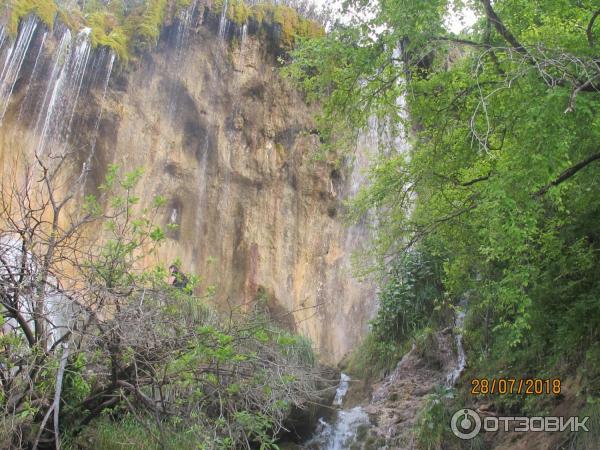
501	182
93	336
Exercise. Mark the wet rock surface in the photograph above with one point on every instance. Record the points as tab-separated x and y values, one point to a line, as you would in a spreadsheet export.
228	143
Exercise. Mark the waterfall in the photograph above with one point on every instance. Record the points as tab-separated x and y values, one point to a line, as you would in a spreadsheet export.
244	37
64	88
224	22
342	433
461	362
34	72
186	18
2	36
60	312
14	61
111	61
185	22
342	390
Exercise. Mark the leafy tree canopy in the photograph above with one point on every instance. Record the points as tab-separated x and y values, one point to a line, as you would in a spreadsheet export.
501	183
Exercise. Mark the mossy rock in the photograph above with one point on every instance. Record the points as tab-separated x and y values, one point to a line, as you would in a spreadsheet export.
19	9
125	31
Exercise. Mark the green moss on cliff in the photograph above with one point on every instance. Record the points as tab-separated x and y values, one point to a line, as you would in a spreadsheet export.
238	12
44	9
147	28
268	15
107	31
287	20
125	31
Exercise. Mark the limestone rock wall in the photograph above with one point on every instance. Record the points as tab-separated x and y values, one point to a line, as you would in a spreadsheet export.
228	142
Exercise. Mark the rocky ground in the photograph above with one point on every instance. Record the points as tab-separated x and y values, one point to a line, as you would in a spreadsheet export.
397	400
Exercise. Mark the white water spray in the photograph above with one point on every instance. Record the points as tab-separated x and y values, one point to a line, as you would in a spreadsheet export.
14	62
455	374
342	433
26	98
224	22
342	390
65	85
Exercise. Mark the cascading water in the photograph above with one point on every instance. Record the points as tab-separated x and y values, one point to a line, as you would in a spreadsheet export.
185	23
455	374
34	73
243	40
342	390
224	22
2	36
111	62
342	433
63	92
186	19
14	61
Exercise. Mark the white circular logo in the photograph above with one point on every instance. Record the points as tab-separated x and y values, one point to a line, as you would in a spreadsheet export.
465	424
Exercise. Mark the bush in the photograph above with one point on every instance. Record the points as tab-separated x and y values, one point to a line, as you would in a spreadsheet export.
373	358
408	297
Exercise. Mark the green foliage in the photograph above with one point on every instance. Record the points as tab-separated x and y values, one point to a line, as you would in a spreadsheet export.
432	423
107	32
146	27
411	291
151	365
19	9
374	358
238	12
501	185
286	20
129	28
128	432
589	440
407	298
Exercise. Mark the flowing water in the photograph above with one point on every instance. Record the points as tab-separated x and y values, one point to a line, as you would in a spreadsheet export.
27	99
342	390
224	22
111	62
344	429
63	93
14	61
461	362
185	24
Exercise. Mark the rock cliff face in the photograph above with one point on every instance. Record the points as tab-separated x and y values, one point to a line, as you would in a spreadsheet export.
228	142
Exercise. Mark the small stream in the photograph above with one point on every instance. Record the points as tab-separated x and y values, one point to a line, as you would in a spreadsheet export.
345	429
461	362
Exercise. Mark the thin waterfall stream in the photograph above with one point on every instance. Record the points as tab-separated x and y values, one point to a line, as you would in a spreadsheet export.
461	362
14	61
345	425
348	427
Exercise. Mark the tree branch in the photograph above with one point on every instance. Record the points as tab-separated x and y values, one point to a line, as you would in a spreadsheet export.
476	180
568	173
57	393
589	30
501	28
461	41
